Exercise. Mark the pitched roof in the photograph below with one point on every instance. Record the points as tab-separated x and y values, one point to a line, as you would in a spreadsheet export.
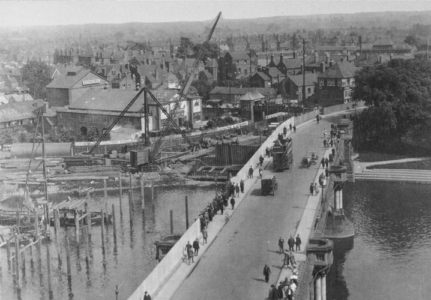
340	70
239	55
262	75
68	81
19	97
310	79
19	110
274	72
370	59
292	63
240	91
384	42
335	48
252	96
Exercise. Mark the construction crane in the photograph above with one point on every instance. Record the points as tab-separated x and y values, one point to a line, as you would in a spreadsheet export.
169	116
184	90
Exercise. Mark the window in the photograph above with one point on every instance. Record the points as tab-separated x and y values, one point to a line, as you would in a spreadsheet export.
245	71
309	90
239	70
321	82
330	82
113	72
339	82
245	61
60	115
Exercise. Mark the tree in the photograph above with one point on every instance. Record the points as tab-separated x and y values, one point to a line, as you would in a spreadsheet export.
412	40
203	87
210	50
186	47
398	94
36	75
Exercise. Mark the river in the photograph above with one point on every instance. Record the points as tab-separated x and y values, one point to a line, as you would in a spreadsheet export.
389	257
126	265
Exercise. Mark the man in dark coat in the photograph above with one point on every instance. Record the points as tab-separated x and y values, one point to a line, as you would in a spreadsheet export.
311	189
323	162
196	246
261	160
280	291
241	185
281	244
232	202
294	128
237	190
210	214
326	172
333	152
266	272
290	126
298	243
327	162
147	296
291	243
250	172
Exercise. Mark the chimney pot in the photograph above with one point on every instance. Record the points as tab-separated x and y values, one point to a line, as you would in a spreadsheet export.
322	66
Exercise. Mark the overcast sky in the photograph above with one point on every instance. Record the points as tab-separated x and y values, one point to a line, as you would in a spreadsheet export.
28	13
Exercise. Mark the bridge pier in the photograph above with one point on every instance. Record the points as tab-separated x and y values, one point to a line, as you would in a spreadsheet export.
320	253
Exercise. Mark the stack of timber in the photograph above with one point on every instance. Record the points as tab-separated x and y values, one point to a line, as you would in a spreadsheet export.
78	161
97	170
16	169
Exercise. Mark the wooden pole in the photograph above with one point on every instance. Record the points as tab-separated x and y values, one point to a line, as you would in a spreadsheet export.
31	258
130	208
69	273
23	263
87	241
8	253
76	226
55	212
17	259
88	218
131	187
114	226
187	213
105	191
48	261
121	193
172	221
18	221
152	191
142	193
103	232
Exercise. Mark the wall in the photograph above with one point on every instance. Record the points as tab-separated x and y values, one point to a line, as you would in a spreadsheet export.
168	264
306	117
226	155
340	107
57	97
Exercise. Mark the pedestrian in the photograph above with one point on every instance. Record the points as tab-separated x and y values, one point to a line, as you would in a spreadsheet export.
284	130
250	172
267	151
290	126
333	152
327	162
241	185
210	215
231	190
326	172
261	160
237	190
322	162
147	296
289	293
205	235
311	189
281	244
292	260
317	119
273	293
298	243
188	246
291	243
280	291
286	259
324	133
196	246
324	143
260	173
266	273
190	254
294	128
331	142
232	202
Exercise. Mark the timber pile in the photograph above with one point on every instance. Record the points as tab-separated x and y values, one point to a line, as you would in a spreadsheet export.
96	171
79	161
16	169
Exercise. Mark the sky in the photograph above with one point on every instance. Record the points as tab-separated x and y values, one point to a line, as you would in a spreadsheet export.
63	12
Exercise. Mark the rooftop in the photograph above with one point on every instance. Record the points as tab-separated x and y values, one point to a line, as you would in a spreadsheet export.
340	70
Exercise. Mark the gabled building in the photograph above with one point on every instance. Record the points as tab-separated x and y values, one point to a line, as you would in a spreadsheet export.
212	67
232	95
65	89
292	87
336	83
235	65
260	79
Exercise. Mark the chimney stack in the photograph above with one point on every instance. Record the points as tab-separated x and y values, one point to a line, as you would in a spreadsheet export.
316	57
281	57
322	66
327	58
272	57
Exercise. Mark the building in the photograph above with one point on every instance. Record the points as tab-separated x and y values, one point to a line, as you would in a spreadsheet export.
291	87
17	114
260	79
370	59
212	67
67	88
322	50
236	65
95	111
335	84
232	95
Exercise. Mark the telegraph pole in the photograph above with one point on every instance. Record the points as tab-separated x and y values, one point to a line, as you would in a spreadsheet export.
43	154
303	71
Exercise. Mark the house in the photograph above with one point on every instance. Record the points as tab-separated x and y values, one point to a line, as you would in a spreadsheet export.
235	65
290	66
19	97
370	59
335	84
207	76
231	94
322	50
19	113
11	82
212	67
260	79
95	110
62	69
66	88
292	87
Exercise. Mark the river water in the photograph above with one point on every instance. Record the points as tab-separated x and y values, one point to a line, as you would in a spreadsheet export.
389	257
127	264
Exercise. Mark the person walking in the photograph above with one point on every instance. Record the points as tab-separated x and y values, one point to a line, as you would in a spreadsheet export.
196	246
250	172
294	128
298	243
190	254
331	142
232	202
324	133
290	127
205	235
266	273
291	243
317	119
289	293
327	162
312	189
281	244
323	162
324	143
241	185
273	293
280	291
261	160
147	296
237	190
326	172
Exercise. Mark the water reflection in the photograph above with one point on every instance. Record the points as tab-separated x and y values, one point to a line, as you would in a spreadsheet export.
127	263
390	257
